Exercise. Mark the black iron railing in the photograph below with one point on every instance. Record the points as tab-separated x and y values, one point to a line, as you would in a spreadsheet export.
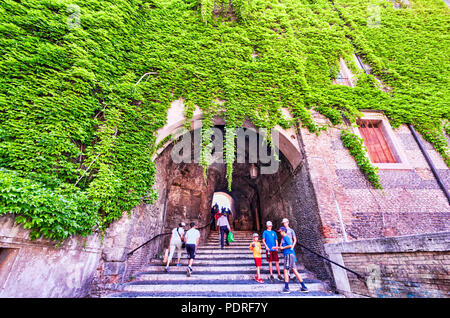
360	277
163	234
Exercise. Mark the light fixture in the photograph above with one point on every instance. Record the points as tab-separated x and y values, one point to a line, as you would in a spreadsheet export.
253	171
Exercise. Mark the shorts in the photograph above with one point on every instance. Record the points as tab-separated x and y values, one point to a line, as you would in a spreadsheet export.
289	262
190	249
258	261
272	256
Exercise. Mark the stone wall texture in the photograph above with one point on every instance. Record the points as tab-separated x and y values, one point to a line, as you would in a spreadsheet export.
411	201
40	268
326	198
412	266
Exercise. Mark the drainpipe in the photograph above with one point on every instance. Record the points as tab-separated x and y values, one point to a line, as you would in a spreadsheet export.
430	163
340	221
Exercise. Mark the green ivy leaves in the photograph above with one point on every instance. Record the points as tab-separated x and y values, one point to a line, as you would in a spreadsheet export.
77	134
357	149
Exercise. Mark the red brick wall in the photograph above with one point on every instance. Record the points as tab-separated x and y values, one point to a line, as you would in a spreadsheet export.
403	266
414	274
411	201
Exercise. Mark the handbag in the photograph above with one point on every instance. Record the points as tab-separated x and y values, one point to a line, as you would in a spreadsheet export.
230	237
183	245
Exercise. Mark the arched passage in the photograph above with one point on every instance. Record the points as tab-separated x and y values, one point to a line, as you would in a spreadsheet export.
288	140
224	200
186	194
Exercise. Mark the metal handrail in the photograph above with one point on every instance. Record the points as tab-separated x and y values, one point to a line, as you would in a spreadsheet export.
162	234
361	277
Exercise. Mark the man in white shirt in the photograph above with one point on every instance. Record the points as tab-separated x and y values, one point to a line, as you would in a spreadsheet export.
192	239
224	227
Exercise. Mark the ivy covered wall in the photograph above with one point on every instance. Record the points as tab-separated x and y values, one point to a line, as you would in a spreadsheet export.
85	84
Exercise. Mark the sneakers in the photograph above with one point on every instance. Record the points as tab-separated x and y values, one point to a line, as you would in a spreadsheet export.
166	269
304	289
281	278
286	291
259	280
179	264
271	278
188	271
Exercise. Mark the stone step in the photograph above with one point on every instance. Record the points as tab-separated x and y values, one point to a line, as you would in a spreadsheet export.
248	255
225	295
219	262
223	256
211	275
203	268
225	250
215	266
197	285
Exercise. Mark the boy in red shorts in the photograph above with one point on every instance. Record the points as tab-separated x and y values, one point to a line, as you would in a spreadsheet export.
255	246
270	240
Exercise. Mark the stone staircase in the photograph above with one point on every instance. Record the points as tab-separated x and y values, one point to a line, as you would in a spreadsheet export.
219	273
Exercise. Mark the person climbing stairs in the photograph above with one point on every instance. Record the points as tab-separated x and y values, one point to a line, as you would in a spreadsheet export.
227	272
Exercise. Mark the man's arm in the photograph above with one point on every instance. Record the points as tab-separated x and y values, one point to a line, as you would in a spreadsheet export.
264	241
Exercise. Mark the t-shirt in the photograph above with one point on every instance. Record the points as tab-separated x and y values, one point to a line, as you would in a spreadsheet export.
256	250
223	221
290	232
285	242
270	237
175	237
191	236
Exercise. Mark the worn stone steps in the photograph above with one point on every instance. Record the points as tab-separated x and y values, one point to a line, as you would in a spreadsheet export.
225	274
218	273
225	295
213	286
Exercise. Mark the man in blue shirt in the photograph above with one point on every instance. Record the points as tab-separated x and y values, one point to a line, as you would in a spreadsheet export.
270	240
289	261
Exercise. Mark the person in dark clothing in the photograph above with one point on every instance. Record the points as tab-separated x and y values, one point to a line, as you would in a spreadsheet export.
214	210
225	228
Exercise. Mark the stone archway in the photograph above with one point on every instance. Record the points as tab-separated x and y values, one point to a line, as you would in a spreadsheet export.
288	139
185	194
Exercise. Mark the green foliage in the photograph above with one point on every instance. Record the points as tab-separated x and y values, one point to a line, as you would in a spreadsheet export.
357	149
74	121
52	214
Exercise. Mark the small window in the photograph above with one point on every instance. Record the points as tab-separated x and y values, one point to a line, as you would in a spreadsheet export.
345	76
375	141
342	80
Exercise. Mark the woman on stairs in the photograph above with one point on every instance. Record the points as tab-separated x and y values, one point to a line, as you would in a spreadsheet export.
176	242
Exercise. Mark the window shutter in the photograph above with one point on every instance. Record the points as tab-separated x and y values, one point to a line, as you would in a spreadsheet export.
377	147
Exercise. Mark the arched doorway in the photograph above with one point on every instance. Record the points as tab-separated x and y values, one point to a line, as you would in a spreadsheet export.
186	193
223	200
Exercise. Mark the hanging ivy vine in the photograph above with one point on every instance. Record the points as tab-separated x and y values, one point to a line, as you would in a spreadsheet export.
78	119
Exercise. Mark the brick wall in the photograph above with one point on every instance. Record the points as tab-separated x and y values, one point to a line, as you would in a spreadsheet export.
406	266
406	274
289	194
411	201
